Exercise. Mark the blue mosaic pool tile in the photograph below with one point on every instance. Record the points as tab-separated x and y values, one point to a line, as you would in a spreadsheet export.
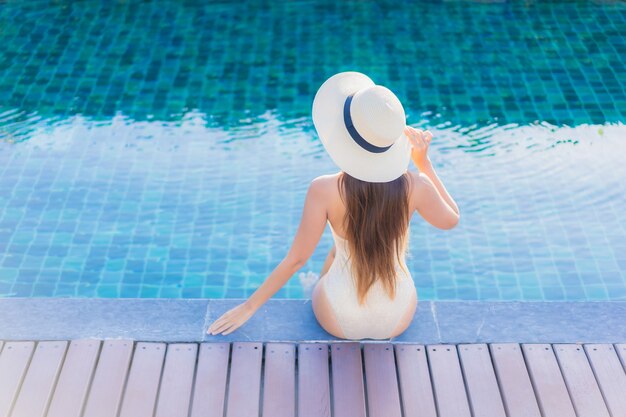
180	171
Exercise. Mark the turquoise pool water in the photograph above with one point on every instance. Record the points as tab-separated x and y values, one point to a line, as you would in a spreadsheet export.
163	149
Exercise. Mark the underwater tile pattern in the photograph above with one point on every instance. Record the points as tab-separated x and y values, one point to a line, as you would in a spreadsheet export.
164	149
459	62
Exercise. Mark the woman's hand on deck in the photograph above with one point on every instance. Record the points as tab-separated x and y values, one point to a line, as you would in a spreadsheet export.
232	319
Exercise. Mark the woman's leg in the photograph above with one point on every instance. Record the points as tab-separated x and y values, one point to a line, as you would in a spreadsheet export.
323	311
406	319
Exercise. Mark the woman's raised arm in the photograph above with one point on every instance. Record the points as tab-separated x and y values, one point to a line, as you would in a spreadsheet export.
435	204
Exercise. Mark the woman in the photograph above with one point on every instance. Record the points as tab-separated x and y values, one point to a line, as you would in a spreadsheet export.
365	289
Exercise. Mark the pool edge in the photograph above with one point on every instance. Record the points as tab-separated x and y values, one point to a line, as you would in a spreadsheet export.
186	320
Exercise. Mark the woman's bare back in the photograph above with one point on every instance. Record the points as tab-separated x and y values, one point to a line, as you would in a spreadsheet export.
335	207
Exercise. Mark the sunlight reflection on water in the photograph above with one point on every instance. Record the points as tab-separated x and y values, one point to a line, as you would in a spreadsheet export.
183	205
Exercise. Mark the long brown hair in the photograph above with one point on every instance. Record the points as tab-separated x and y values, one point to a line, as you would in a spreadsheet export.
376	223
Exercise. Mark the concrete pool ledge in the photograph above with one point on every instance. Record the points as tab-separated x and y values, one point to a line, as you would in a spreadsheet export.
186	320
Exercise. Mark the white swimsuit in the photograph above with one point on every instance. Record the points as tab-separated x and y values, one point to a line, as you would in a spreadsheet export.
379	316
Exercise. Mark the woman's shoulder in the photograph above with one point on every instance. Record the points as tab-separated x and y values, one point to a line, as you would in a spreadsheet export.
328	177
327	181
419	180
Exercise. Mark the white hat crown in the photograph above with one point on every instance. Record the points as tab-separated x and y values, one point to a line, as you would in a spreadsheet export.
377	115
361	126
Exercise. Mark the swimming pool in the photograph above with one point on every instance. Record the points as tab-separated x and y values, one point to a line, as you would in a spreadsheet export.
163	149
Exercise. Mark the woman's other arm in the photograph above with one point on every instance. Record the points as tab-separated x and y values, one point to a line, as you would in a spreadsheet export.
426	167
311	228
307	237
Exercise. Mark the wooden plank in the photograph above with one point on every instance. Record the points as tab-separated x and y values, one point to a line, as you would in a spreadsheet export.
313	380
40	380
209	397
14	362
621	352
142	387
545	374
177	380
415	386
73	385
107	386
450	395
480	378
381	380
279	381
514	381
610	376
581	383
244	392
347	379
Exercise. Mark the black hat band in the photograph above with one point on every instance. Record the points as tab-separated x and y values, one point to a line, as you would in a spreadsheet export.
354	134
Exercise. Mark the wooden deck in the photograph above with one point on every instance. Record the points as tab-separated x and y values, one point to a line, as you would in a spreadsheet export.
107	378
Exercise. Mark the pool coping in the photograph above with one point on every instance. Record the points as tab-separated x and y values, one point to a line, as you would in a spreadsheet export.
186	320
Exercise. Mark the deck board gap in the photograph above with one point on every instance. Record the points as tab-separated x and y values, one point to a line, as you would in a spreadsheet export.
554	347
493	366
432	379
228	371
194	378
91	378
56	379
470	401
395	364
21	382
296	370
367	409
330	380
262	384
125	384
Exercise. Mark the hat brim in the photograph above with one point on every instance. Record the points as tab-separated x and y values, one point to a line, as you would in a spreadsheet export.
343	150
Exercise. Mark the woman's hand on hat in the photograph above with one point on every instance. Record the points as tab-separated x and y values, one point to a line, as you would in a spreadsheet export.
420	140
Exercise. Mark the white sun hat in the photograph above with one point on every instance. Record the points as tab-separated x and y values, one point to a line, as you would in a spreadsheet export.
361	126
